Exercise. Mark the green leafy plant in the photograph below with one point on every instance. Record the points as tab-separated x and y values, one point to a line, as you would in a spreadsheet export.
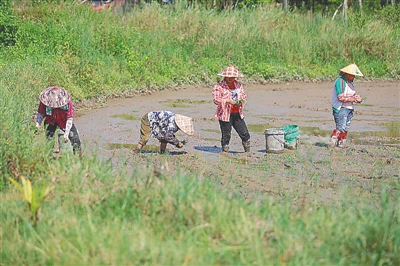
390	14
8	24
239	102
33	196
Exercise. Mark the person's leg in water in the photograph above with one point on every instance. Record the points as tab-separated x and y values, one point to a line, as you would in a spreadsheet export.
345	126
163	146
334	138
226	132
145	132
339	126
342	121
241	128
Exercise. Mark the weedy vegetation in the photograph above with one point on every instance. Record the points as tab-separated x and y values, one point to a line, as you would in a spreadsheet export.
160	209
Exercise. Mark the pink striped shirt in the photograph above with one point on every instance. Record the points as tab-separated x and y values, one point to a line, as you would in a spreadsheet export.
222	93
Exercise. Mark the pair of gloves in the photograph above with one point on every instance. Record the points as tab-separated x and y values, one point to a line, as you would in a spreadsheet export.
181	143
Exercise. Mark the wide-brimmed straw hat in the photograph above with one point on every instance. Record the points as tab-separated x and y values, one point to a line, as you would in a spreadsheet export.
185	124
231	72
54	97
352	69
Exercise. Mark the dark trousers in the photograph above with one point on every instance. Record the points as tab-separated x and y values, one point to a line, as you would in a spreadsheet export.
73	136
238	124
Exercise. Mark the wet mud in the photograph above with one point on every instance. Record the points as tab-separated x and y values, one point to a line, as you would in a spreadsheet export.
372	153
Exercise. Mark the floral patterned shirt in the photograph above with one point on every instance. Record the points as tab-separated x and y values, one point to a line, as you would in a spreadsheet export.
163	126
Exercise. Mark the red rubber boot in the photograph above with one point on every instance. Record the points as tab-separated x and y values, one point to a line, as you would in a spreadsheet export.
342	139
334	138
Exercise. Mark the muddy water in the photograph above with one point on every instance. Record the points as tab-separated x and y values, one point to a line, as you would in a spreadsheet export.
311	173
269	106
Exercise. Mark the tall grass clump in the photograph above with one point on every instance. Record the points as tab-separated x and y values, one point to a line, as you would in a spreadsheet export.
110	53
8	24
21	151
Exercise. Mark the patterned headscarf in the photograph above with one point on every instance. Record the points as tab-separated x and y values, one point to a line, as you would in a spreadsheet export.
54	97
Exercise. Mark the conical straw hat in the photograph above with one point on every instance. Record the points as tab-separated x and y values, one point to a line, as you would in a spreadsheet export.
185	124
352	70
54	97
230	72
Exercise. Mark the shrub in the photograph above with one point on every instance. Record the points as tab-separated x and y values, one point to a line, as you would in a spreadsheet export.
8	24
390	14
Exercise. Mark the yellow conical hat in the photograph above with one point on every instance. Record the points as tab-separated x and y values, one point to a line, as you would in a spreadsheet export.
352	70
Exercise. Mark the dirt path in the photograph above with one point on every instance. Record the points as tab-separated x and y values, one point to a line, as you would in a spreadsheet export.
113	131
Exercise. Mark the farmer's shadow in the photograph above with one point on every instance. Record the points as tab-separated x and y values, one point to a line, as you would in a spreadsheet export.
167	152
177	152
321	144
211	149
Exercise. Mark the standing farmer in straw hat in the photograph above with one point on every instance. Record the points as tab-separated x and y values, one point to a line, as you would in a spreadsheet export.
57	110
162	125
343	99
230	98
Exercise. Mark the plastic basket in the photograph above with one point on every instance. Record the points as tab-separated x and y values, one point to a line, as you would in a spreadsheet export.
291	133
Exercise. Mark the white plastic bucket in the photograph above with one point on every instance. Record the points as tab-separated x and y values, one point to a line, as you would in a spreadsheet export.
275	139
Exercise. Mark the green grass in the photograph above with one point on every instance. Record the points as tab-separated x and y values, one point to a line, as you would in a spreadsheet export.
393	128
140	219
114	146
212	139
259	128
99	54
125	211
178	105
391	136
99	214
126	117
314	131
212	130
183	103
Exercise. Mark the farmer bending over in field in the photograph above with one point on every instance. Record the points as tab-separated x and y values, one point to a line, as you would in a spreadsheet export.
230	98
162	125
57	110
343	99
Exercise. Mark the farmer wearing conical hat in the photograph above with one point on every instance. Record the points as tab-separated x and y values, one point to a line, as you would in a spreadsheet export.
163	125
57	110
230	99
343	99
